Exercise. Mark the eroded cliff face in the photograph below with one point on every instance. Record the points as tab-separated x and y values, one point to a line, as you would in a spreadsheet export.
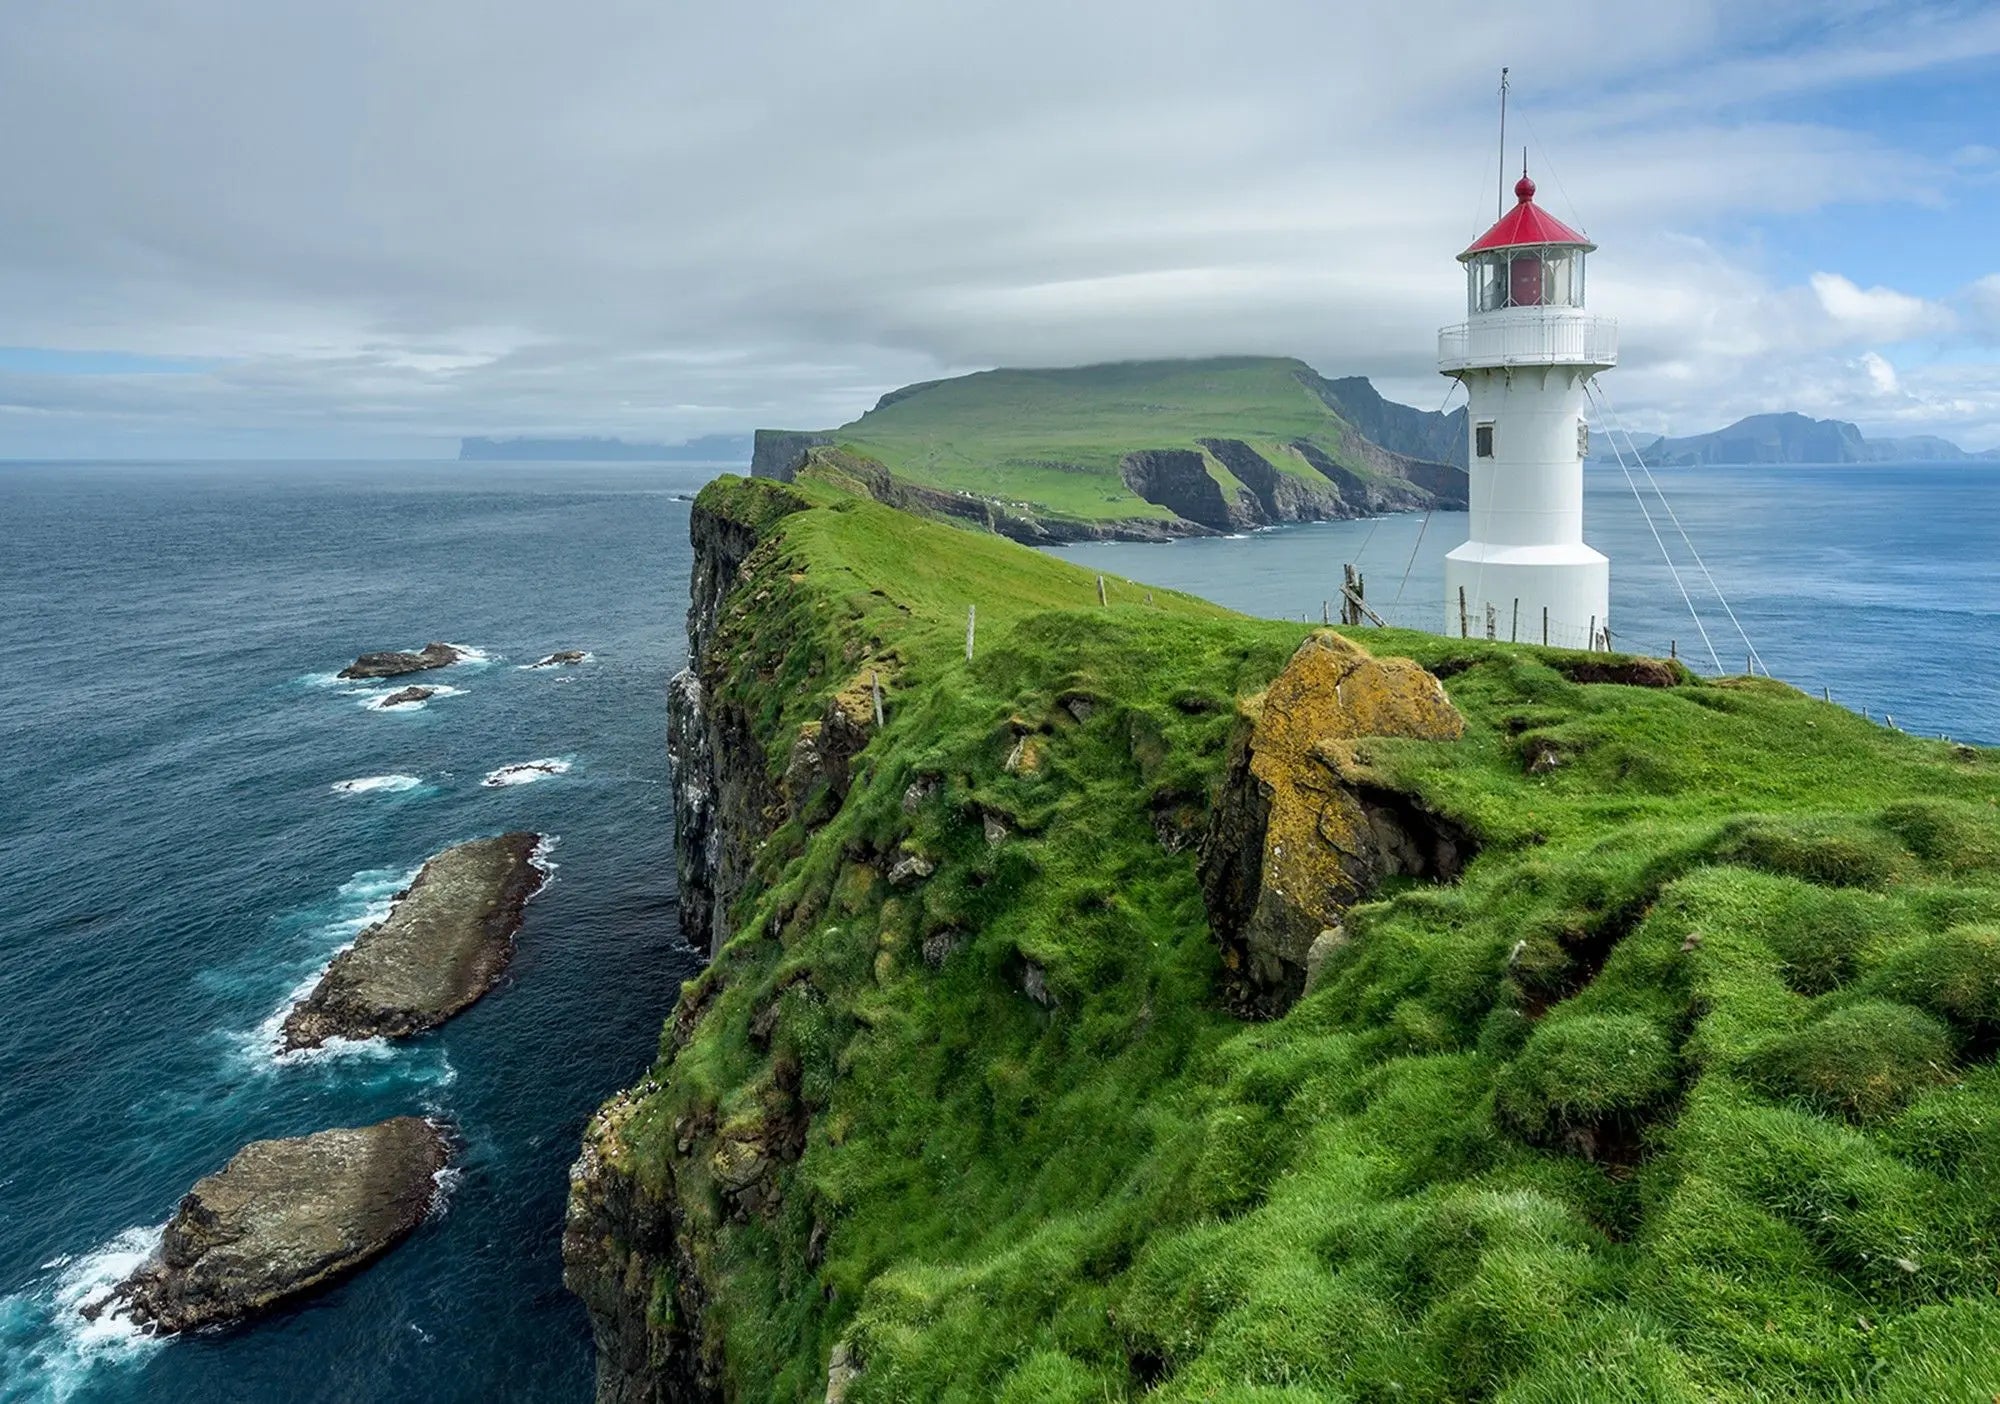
721	785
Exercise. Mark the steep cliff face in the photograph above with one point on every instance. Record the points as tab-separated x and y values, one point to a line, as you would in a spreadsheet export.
723	795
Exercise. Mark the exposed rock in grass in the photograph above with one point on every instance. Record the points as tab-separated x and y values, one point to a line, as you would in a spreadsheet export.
443	945
284	1217
1629	672
1301	830
396	662
912	867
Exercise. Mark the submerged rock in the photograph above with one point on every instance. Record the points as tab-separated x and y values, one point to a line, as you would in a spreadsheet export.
281	1218
561	658
1302	827
409	695
444	944
396	662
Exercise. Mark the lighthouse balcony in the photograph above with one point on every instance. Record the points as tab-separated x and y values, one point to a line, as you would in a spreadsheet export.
1529	336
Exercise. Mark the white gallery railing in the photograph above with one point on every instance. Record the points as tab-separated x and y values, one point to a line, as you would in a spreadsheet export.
1529	336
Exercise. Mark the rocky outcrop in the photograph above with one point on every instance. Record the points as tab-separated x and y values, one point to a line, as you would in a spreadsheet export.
561	658
1281	496
1303	826
1179	480
1424	435
397	662
282	1218
623	1255
441	947
780	453
404	697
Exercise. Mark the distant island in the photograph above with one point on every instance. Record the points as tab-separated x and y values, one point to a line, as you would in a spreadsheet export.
709	448
1793	438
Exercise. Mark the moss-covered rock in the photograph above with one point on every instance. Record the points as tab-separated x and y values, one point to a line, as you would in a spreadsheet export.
1302	827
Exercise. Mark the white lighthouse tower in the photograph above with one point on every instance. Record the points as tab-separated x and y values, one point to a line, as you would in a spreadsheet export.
1524	355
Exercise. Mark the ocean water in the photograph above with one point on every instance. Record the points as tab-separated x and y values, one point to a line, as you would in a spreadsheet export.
1877	583
196	815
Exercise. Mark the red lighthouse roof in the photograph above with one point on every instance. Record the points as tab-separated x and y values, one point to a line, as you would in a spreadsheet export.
1526	223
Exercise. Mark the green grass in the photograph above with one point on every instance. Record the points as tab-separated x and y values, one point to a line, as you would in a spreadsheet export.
1052	439
1685	1092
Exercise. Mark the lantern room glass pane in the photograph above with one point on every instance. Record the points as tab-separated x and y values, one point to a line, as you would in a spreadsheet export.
1530	277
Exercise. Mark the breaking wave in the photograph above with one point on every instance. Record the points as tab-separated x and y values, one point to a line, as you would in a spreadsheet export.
526	772
374	784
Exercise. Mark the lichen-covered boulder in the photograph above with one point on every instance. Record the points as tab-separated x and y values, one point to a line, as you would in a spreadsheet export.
282	1218
1302	828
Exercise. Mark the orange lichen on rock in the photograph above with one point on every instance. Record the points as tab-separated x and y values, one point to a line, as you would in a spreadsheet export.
1302	828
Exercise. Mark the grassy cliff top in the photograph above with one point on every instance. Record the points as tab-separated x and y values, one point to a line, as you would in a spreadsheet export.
1054	439
1685	1091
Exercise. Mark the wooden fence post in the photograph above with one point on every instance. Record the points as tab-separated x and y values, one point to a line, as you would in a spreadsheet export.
1325	612
971	620
1607	636
1489	620
1464	628
1545	626
1673	648
1514	634
1590	644
1100	591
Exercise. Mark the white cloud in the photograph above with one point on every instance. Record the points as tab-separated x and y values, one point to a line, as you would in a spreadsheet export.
1878	314
490	216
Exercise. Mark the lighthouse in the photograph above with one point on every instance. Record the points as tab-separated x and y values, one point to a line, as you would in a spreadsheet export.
1524	354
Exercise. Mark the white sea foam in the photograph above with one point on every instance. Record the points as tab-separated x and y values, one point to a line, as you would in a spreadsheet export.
376	699
371	784
47	1337
544	665
363	900
544	846
468	656
526	772
447	1180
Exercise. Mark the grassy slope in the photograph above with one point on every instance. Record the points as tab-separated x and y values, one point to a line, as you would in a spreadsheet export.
1058	435
1378	1195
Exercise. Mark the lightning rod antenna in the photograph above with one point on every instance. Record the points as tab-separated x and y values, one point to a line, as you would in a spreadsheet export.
1500	190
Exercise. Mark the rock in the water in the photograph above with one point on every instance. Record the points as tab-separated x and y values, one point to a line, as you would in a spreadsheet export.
561	658
406	696
282	1218
1303	828
396	662
446	941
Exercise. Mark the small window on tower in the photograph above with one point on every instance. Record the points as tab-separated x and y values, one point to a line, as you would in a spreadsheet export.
1482	440
1582	439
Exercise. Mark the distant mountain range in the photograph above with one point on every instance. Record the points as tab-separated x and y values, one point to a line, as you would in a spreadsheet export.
710	448
1794	438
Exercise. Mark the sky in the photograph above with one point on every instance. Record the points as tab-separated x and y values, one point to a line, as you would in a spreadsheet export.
348	228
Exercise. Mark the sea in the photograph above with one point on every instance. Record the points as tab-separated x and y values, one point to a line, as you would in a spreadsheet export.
1874	585
197	814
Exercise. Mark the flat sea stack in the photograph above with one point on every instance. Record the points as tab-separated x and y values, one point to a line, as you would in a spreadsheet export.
281	1218
397	662
408	695
448	938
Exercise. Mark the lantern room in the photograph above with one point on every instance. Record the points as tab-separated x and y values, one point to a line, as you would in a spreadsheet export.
1529	258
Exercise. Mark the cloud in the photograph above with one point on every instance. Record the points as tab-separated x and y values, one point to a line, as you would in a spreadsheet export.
407	221
1878	314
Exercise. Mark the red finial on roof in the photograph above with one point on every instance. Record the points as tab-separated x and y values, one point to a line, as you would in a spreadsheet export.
1527	223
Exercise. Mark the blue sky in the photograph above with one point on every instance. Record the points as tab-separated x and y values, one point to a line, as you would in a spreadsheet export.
371	228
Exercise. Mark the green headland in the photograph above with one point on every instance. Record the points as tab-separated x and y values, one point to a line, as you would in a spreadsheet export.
1140	448
1640	1045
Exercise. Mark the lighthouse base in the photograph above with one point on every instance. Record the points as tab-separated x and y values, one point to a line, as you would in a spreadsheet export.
1565	589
